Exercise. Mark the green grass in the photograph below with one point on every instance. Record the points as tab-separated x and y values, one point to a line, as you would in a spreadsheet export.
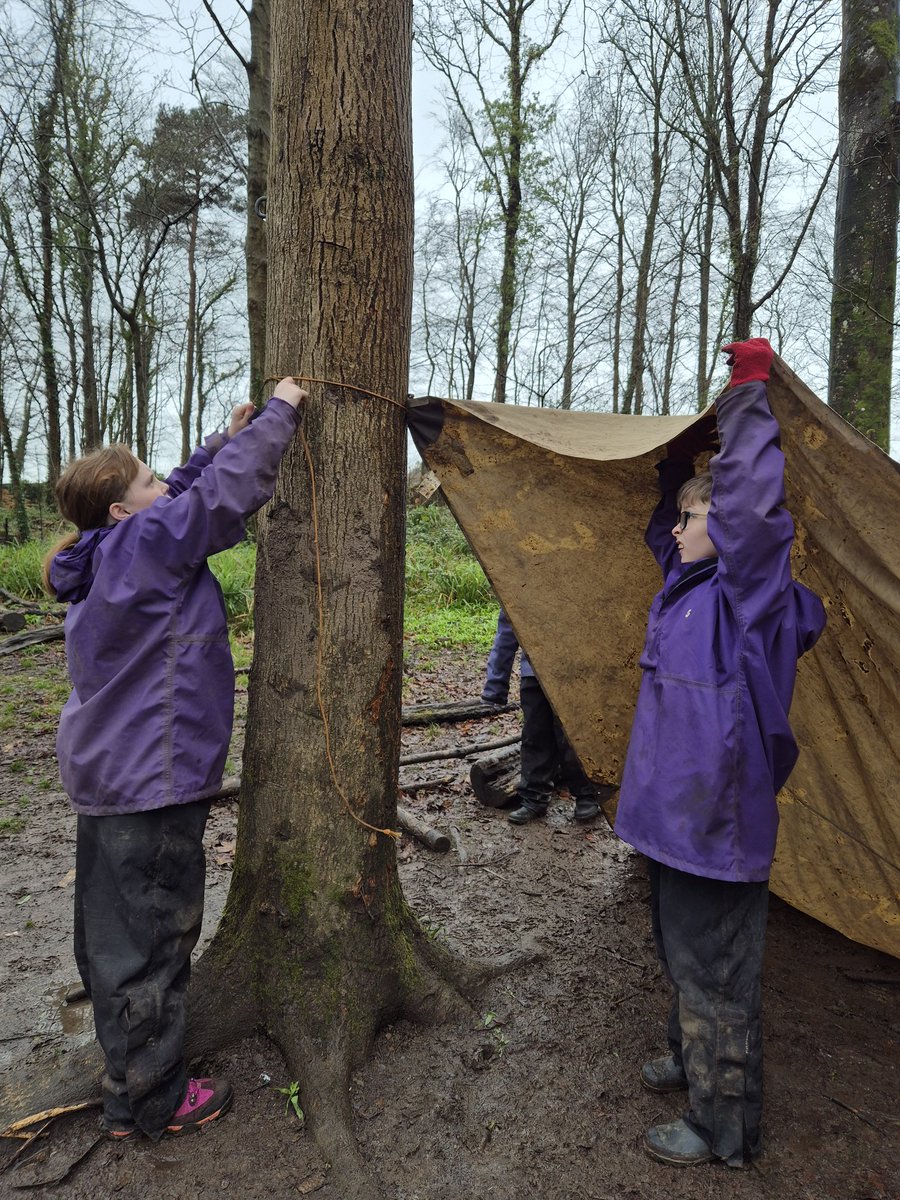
20	568
234	570
432	628
449	602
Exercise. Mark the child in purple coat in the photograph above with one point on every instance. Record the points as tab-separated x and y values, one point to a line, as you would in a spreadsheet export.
144	735
710	748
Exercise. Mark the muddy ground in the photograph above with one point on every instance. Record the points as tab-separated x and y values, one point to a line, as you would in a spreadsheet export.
537	1093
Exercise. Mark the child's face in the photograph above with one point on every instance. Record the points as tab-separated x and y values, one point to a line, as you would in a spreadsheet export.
143	490
690	533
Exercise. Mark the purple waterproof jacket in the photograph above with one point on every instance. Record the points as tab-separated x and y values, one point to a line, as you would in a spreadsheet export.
149	719
711	744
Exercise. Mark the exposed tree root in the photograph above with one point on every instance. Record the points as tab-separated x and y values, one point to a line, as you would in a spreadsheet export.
447	978
219	1014
324	1084
51	1083
222	1009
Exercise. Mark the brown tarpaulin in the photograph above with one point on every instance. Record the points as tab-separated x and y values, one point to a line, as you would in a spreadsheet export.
555	505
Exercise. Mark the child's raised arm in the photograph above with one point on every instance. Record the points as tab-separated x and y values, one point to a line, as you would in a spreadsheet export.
748	523
209	515
241	416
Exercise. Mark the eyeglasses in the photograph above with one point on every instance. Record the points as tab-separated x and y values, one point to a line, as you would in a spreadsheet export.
686	516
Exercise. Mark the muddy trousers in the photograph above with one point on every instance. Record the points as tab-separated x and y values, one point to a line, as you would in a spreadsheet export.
710	937
547	756
138	910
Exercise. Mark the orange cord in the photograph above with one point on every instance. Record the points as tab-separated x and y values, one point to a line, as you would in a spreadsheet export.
392	833
336	383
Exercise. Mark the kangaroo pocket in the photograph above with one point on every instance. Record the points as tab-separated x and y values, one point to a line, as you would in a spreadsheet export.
203	706
678	794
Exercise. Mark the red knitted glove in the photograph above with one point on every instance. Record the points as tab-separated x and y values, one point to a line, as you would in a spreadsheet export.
749	361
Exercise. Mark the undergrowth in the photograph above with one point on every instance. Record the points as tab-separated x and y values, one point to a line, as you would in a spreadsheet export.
449	602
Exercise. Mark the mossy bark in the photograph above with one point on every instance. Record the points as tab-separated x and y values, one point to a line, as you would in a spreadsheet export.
865	238
316	935
258	112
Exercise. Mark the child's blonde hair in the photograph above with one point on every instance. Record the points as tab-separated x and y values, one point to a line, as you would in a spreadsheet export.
697	490
86	489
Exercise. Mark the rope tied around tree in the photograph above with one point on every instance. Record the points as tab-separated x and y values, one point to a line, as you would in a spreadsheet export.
320	604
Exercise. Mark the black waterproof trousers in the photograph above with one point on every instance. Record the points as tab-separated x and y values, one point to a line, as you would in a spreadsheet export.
710	938
547	758
139	886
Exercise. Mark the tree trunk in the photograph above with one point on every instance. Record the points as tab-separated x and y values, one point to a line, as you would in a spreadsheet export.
190	352
44	188
21	514
512	211
865	236
316	929
260	84
91	433
141	338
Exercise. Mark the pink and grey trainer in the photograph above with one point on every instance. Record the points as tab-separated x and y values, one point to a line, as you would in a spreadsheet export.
204	1101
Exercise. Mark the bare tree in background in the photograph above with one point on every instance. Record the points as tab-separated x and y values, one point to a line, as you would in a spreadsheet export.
744	69
454	277
576	238
479	46
256	65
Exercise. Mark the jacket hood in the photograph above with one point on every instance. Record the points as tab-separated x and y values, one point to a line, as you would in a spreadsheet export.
72	570
810	617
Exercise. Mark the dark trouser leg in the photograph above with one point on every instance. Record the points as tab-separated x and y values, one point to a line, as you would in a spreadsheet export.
571	773
538	746
138	912
673	1028
713	938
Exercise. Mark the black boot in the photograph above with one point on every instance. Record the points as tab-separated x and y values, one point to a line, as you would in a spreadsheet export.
586	808
526	812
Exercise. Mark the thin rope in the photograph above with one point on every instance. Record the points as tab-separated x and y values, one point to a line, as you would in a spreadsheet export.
320	605
351	387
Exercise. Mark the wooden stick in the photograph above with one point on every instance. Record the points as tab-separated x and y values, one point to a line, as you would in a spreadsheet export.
452	710
432	838
48	1115
28	1139
459	752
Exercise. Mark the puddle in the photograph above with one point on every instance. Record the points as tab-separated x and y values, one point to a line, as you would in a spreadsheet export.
73	1020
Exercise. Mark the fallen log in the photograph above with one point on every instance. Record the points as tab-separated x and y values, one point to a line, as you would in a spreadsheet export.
33	607
452	710
495	777
440	713
432	838
18	641
458	752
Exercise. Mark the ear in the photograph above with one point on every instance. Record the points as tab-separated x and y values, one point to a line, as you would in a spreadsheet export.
118	511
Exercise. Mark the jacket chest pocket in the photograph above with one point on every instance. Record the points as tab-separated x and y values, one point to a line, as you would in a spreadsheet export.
686	642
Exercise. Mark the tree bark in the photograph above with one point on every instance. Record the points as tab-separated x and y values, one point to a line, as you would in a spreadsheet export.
190	349
258	132
316	929
865	235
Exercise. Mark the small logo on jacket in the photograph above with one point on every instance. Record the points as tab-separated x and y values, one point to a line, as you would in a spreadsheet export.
688	613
